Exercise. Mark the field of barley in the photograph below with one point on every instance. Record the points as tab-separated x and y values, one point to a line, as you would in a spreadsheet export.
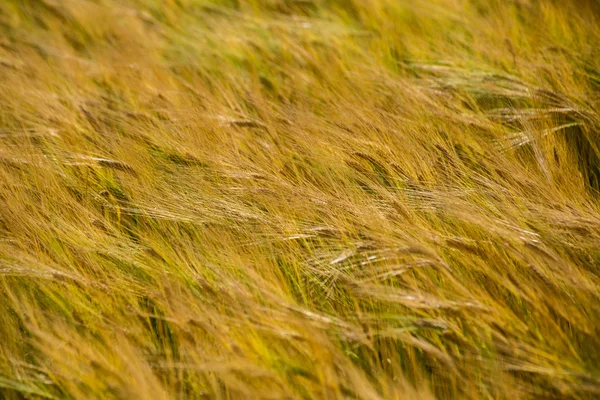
299	199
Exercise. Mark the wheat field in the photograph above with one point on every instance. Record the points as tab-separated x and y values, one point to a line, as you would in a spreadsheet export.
299	199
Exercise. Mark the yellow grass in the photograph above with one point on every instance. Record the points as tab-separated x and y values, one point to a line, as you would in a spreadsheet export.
298	199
